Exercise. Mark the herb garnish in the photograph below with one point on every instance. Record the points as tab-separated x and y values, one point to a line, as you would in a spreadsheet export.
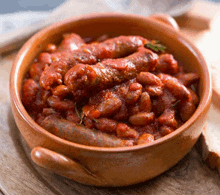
95	120
175	103
155	46
80	115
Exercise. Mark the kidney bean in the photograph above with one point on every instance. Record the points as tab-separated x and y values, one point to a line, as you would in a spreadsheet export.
167	64
147	78
79	134
58	104
145	138
168	118
72	116
135	90
109	106
154	91
70	42
106	125
36	70
188	79
51	48
60	91
143	118
145	102
45	58
174	86
89	123
165	130
29	93
157	135
124	131
122	114
195	98
186	110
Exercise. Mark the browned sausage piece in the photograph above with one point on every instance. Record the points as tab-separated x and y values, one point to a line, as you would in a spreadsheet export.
110	72
89	54
174	86
79	134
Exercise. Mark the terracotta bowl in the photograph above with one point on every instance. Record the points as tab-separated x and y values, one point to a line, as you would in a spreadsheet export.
111	166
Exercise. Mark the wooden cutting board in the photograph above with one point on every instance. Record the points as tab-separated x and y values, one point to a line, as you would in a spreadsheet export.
18	175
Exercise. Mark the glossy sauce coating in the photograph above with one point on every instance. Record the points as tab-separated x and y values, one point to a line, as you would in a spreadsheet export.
110	92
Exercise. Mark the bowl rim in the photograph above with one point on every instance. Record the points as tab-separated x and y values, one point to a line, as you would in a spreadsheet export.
202	107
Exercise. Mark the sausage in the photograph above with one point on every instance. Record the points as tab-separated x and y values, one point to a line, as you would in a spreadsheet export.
110	72
79	134
89	54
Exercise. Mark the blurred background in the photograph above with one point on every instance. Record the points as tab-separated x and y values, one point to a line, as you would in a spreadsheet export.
10	6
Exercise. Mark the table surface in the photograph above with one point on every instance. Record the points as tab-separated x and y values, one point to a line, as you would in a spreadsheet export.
18	175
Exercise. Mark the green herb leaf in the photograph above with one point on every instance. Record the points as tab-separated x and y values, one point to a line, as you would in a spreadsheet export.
176	103
80	115
95	120
155	46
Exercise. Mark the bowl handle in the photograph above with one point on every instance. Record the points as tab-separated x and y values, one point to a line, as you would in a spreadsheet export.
64	166
166	19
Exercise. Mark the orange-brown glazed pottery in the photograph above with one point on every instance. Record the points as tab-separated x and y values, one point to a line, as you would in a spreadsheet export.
111	166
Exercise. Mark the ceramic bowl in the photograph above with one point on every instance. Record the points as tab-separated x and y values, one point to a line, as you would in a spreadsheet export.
111	166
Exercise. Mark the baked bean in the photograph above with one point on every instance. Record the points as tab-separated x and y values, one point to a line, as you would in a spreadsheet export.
186	110
147	78
134	94
51	48
154	91
174	86
60	91
168	118
89	123
122	114
145	138
109	106
167	64
29	93
58	104
125	131
143	118
106	125
165	130
145	102
72	116
70	42
157	135
195	98
45	58
36	70
188	79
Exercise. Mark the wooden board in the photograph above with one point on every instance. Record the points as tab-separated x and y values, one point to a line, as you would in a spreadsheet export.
18	175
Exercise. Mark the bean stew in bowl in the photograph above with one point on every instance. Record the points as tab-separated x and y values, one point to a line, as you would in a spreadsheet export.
110	99
109	92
